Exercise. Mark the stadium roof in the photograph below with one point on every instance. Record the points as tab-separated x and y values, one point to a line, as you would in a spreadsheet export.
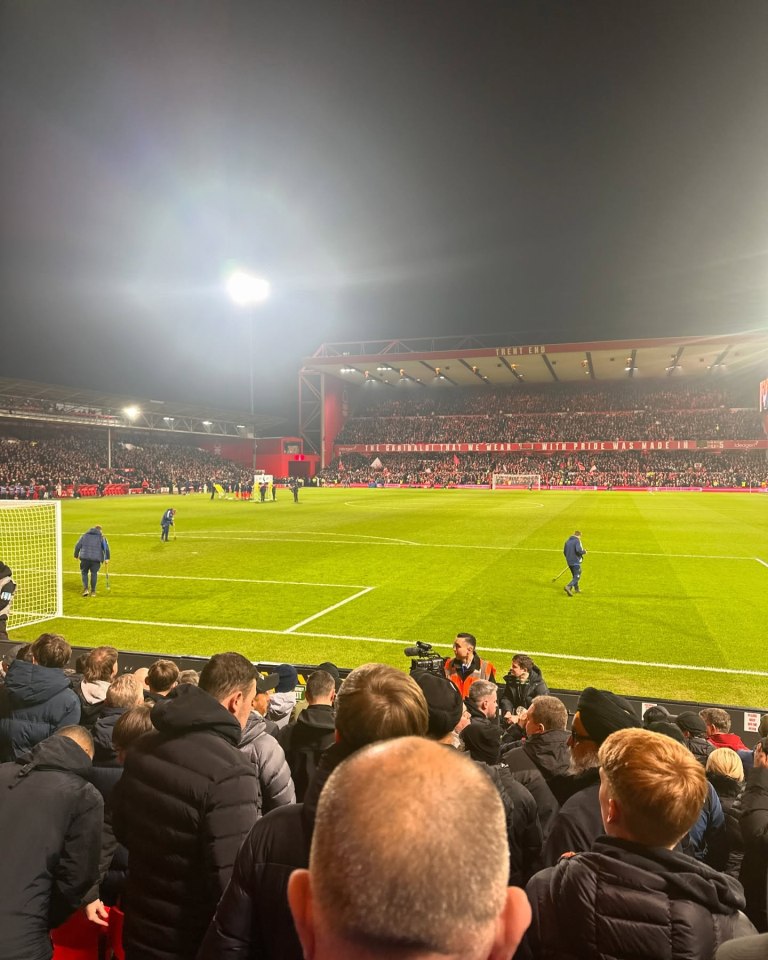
472	360
166	415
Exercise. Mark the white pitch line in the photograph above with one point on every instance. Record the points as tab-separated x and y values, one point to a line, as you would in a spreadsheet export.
328	610
289	583
761	561
341	636
464	546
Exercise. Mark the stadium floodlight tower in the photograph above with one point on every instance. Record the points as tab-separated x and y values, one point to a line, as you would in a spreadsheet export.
247	290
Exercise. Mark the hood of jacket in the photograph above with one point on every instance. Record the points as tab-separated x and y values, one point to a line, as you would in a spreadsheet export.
30	683
103	729
94	691
653	870
281	704
189	709
54	753
318	716
255	727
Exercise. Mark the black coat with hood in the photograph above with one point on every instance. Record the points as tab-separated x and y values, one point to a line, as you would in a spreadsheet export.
304	742
186	800
519	693
35	702
623	900
52	821
546	752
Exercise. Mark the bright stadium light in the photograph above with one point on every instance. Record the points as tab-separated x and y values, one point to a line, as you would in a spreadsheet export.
131	412
246	289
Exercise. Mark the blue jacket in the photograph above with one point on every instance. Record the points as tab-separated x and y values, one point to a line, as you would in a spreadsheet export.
92	546
167	520
34	702
573	551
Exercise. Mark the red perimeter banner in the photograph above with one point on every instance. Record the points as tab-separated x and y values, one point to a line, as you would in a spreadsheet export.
553	446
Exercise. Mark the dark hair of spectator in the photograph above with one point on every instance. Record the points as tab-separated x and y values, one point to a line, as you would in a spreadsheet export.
134	723
524	661
162	675
227	673
655	714
51	650
99	664
319	684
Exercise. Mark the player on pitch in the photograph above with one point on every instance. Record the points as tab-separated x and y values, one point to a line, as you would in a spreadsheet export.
574	553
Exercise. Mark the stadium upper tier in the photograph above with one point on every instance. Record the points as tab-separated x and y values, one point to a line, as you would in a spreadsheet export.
567	413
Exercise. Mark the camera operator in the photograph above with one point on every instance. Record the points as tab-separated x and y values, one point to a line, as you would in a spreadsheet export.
466	667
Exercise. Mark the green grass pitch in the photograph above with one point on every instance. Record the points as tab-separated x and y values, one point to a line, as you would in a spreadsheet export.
673	582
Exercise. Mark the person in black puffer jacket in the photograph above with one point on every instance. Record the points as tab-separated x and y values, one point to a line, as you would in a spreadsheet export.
546	740
51	841
695	733
523	682
725	772
632	894
185	801
752	810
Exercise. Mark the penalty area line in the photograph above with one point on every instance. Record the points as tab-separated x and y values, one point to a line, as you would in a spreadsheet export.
322	613
338	636
286	583
761	561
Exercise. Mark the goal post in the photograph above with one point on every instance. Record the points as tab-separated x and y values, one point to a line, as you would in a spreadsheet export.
516	481
30	543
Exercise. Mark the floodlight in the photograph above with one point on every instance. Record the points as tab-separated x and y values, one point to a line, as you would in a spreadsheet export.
131	412
245	289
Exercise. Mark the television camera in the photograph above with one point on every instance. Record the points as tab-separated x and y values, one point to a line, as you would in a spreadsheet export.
425	660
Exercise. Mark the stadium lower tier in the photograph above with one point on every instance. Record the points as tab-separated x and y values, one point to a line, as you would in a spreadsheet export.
705	468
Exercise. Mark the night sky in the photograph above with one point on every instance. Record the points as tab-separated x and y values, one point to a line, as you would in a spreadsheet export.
397	168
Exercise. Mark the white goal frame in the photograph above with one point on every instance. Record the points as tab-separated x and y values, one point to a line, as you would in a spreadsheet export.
30	543
515	481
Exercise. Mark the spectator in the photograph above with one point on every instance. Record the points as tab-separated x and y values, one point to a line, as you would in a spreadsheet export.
482	703
745	948
718	724
546	740
376	702
51	840
124	692
313	732
523	682
186	799
283	700
99	670
599	713
10	655
266	754
162	677
695	732
36	699
632	894
190	676
725	773
7	590
656	714
385	791
752	809
466	667
133	723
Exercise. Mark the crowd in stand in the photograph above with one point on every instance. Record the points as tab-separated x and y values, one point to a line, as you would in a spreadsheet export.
62	460
558	413
447	813
617	469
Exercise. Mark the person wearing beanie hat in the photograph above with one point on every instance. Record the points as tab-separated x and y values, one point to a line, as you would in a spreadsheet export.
283	700
694	732
668	730
445	705
599	713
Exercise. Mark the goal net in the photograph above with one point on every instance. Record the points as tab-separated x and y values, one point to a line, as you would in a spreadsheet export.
30	543
516	481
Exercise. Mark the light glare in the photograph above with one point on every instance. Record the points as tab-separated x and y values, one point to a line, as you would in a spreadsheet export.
245	288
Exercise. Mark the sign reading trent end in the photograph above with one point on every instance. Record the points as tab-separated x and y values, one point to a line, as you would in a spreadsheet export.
519	351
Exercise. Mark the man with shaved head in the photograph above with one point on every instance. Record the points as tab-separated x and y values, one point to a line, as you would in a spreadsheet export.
382	818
